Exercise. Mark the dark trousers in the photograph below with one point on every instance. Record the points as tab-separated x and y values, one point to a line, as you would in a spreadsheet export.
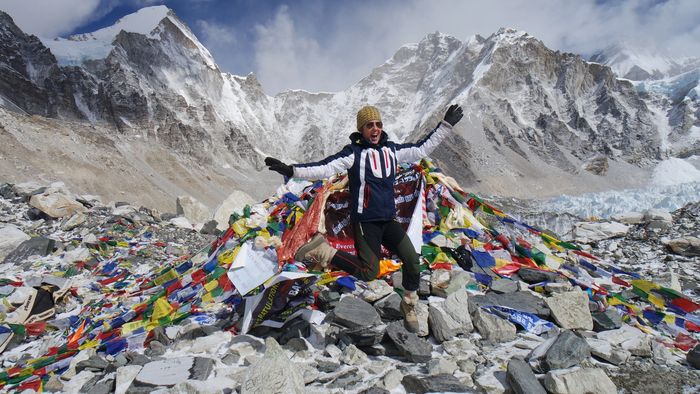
369	236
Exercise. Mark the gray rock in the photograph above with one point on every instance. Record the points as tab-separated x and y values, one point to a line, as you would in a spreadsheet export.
353	312
521	379
579	381
685	246
171	371
409	345
389	307
502	286
353	356
202	368
94	363
192	209
35	246
441	366
298	344
98	385
376	290
457	306
629	217
570	310
362	336
532	275
210	228
328	300
272	374
658	219
589	232
10	238
567	350
327	365
56	204
492	328
604	350
521	300
607	320
693	357
442	325
433	384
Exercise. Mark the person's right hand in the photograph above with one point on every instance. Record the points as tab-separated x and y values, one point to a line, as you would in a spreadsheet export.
278	166
453	115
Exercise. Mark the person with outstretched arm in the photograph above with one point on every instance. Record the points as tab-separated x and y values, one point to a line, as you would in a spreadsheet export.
371	161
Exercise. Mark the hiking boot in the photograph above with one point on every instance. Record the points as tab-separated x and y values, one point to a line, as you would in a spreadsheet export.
408	309
317	251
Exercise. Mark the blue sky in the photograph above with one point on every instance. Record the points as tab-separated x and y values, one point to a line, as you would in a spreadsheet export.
329	45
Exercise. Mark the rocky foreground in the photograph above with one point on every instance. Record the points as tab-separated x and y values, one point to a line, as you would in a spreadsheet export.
564	341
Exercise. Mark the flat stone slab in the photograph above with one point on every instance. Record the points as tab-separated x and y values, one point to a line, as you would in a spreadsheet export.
434	384
570	310
353	312
409	345
521	379
171	371
520	300
35	246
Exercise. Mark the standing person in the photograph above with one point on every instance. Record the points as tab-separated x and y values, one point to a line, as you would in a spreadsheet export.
371	161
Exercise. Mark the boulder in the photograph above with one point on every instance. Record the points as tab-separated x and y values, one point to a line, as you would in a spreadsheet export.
415	349
433	384
442	325
192	209
521	379
457	306
629	217
235	202
579	381
685	246
521	300
568	350
171	371
10	237
658	219
352	312
389	307
35	246
589	232
693	357
272	373
604	350
56	204
570	310
492	328
376	290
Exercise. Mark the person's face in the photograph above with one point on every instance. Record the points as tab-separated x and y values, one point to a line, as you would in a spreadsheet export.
372	131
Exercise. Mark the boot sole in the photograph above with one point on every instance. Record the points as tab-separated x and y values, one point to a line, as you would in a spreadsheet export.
317	240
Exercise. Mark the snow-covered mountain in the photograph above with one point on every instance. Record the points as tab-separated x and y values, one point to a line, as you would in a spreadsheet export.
672	87
537	122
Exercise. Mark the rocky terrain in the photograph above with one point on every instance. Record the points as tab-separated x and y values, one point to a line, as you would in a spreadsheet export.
463	345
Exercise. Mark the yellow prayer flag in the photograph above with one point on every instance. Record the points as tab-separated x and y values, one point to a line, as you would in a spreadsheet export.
161	308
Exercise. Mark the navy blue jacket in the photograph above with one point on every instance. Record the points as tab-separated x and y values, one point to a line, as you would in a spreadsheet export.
372	170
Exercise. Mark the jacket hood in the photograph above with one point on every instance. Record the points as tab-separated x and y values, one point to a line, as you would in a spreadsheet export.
357	139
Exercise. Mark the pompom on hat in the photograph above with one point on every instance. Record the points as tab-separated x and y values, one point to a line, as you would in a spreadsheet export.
367	114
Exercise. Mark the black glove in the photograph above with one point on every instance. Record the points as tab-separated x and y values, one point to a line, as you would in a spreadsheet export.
453	115
276	165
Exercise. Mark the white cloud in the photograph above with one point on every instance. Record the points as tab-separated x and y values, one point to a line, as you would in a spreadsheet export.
50	18
297	49
215	34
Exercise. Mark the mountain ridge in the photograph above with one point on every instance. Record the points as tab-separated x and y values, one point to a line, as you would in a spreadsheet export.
535	119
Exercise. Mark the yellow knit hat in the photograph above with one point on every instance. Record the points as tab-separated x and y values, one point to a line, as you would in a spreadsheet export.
367	114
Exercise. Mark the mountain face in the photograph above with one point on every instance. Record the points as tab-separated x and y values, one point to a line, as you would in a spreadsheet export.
537	121
672	87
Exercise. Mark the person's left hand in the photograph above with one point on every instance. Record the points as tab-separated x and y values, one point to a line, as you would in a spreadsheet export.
453	115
